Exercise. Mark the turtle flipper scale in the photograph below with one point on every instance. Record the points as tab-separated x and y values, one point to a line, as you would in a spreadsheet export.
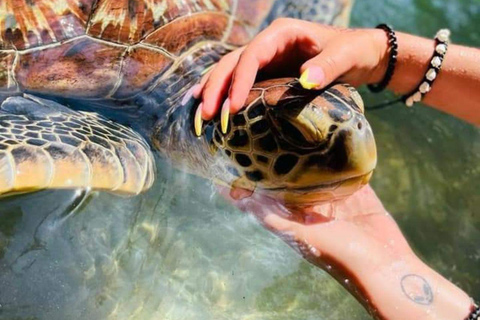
45	145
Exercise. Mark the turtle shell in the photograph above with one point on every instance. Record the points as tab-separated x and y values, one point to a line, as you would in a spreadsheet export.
111	48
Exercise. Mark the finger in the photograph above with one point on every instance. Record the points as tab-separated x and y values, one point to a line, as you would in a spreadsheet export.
243	80
279	224
329	65
216	87
266	46
189	94
256	56
197	92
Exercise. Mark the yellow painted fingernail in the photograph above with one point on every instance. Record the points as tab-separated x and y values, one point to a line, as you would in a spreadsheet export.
225	116
312	78
198	122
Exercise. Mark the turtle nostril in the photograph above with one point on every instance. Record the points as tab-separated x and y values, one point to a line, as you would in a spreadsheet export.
359	125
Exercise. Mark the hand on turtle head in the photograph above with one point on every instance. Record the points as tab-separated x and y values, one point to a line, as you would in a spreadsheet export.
288	47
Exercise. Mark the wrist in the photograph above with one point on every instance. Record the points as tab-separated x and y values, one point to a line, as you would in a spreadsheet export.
414	55
379	39
406	288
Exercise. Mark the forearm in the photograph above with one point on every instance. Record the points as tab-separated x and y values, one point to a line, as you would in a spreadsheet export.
394	284
457	88
408	289
386	275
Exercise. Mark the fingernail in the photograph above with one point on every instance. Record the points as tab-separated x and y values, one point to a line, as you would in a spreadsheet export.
225	115
196	91
188	96
198	122
312	78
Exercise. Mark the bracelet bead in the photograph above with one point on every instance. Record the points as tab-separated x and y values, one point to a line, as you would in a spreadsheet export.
431	74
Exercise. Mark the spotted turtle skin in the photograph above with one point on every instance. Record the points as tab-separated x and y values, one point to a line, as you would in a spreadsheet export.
91	89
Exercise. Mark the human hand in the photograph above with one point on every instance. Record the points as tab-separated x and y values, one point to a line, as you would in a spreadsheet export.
346	233
322	54
359	243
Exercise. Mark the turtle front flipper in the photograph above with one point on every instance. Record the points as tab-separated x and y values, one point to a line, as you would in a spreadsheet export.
45	145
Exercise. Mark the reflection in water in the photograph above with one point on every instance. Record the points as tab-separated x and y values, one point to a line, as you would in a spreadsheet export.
175	253
181	252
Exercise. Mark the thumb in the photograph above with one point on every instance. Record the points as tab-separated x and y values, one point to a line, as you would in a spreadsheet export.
324	68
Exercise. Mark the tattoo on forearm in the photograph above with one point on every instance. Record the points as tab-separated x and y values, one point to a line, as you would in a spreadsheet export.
417	289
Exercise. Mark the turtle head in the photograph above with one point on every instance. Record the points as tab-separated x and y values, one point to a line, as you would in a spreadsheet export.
301	146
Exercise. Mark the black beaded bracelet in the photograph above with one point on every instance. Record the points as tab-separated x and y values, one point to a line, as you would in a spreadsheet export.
475	315
392	61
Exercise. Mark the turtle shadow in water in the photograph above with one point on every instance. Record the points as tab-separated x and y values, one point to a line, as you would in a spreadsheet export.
29	224
36	216
43	257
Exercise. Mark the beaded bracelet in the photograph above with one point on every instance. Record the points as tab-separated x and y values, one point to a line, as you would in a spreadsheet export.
442	39
475	315
393	43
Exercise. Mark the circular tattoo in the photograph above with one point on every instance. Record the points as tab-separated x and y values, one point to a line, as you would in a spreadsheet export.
417	289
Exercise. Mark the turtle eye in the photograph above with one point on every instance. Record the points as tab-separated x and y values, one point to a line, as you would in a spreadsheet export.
293	135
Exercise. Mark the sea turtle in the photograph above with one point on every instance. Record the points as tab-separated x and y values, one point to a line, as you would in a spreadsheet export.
91	89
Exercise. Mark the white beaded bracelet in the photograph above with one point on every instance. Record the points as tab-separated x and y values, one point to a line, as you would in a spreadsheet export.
442	39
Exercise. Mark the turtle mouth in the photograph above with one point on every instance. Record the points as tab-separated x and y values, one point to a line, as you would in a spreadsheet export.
318	187
319	193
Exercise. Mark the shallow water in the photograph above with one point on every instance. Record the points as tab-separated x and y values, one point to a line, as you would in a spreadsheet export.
181	252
